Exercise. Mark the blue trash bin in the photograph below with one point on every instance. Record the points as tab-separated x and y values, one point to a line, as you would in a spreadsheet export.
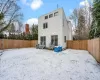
58	49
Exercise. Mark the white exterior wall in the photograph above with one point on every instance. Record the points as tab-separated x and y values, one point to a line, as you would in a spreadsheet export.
70	31
55	27
65	29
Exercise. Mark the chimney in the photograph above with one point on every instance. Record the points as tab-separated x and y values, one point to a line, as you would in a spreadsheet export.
27	28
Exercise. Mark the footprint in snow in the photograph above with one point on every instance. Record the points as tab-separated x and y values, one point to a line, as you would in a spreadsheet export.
73	61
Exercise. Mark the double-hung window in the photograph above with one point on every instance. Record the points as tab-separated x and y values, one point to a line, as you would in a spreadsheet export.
45	25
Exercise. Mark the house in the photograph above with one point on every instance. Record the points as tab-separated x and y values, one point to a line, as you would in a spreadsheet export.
54	28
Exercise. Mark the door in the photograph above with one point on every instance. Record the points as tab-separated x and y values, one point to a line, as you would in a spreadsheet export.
54	40
43	40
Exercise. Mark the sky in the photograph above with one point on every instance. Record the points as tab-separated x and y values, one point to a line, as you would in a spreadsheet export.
32	9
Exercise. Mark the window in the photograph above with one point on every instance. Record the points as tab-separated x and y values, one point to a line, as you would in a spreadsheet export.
54	40
56	13
51	15
64	38
45	25
43	40
46	17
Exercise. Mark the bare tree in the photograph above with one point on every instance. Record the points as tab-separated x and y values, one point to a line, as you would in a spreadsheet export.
82	21
9	12
80	29
74	17
11	28
20	25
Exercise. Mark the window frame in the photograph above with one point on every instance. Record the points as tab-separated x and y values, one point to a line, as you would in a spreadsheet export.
50	15
45	25
46	17
43	40
54	40
56	14
64	38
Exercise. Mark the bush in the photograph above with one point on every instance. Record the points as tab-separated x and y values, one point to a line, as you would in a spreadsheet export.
21	36
1	36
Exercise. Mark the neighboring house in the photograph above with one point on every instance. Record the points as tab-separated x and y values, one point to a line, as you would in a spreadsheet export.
54	28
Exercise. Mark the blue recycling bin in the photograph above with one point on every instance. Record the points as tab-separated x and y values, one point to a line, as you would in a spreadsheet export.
58	49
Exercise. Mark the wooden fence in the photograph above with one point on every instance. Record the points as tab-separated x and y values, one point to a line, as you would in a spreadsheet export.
93	46
79	44
9	44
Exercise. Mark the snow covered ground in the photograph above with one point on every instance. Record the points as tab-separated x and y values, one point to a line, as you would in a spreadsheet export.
35	64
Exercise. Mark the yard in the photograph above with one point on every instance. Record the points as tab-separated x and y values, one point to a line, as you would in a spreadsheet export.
35	64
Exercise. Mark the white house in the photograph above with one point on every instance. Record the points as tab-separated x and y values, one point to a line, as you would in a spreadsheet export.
54	28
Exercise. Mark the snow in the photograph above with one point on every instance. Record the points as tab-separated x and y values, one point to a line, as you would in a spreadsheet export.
35	64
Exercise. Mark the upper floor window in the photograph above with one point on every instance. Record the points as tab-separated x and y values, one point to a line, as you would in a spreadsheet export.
56	13
45	25
46	17
51	15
